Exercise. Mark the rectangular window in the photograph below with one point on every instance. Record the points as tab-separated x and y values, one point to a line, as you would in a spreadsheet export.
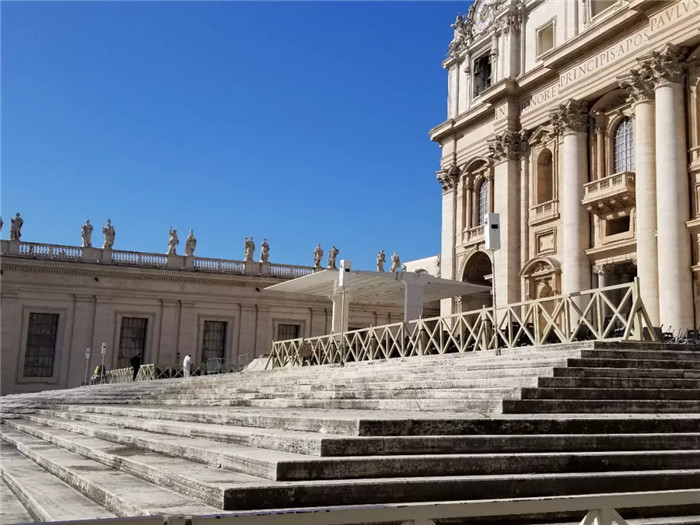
288	331
214	340
620	225
545	39
481	77
41	345
598	6
132	340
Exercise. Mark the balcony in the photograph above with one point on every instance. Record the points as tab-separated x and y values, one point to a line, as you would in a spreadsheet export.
545	211
473	235
613	193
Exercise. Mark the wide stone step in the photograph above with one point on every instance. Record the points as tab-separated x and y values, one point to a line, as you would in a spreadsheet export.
285	466
350	393
41	494
465	405
120	493
611	393
368	423
400	490
11	508
635	363
624	353
323	445
587	406
206	483
616	382
656	373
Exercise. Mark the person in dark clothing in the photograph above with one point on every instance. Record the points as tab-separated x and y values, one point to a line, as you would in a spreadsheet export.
136	364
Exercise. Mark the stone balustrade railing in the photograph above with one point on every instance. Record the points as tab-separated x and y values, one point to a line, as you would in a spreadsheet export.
544	211
611	184
474	235
57	252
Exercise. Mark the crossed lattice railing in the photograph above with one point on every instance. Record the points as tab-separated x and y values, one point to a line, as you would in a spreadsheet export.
604	314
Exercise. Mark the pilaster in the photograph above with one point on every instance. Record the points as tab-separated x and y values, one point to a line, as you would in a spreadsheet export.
80	340
166	350
448	180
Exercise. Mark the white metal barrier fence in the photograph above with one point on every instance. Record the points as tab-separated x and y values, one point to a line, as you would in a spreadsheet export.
603	314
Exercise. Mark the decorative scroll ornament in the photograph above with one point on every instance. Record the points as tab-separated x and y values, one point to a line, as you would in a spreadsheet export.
570	116
508	145
669	65
448	177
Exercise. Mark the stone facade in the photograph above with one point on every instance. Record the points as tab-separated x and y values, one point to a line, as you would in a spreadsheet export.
579	123
161	306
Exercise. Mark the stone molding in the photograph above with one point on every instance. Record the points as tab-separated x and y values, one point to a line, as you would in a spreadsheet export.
448	177
570	117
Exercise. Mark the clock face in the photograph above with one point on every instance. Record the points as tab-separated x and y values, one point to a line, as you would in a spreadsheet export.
483	15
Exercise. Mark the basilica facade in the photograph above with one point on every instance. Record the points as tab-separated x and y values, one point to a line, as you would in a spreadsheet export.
578	122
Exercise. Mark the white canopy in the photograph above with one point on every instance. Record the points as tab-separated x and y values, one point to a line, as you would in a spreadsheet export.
398	288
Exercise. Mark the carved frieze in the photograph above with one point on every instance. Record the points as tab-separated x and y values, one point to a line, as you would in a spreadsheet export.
570	116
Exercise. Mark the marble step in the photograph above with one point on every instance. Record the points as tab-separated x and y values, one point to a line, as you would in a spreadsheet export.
202	482
624	353
612	382
606	406
617	372
611	393
316	444
11	508
281	466
369	423
663	364
118	492
350	393
485	406
42	495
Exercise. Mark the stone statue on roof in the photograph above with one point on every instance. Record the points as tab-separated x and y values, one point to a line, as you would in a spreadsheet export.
395	262
173	241
109	233
381	259
318	255
16	227
264	251
248	249
190	243
86	234
332	255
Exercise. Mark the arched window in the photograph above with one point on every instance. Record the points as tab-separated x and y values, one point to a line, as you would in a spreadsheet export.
624	146
545	182
483	208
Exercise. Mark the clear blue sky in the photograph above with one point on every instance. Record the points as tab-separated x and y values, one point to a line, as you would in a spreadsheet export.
302	122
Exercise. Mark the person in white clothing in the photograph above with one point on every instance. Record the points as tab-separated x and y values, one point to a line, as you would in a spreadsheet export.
186	365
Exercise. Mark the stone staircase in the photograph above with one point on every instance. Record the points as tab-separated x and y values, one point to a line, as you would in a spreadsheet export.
567	419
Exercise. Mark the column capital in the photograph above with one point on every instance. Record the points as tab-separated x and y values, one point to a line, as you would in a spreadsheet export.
508	145
603	269
668	66
448	177
570	117
639	84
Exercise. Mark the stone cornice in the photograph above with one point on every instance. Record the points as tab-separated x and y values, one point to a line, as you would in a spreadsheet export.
81	269
570	117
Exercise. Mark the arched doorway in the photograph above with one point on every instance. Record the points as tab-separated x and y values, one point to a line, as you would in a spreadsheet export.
477	271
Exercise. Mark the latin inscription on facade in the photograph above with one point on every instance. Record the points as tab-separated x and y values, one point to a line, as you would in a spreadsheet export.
659	22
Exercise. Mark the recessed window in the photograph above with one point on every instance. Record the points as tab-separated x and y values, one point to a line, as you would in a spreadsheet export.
545	181
213	340
288	331
482	74
619	225
598	6
624	146
483	202
545	38
132	340
41	345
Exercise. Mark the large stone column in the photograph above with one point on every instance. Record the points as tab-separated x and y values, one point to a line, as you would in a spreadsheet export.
448	179
641	89
571	120
505	150
673	205
524	200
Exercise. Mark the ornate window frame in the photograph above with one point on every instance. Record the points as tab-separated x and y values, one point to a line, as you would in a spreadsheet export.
552	22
